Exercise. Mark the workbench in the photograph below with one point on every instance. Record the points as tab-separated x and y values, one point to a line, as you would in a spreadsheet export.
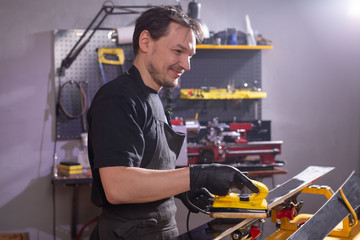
76	181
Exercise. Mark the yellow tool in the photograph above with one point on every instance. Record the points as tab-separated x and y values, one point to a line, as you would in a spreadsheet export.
220	93
235	205
118	52
103	53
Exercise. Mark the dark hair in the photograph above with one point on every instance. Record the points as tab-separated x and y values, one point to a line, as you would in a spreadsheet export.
157	19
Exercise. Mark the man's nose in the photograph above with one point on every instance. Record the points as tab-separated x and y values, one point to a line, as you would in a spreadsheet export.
185	63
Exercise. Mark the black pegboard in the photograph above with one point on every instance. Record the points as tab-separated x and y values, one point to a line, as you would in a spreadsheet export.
85	69
71	109
216	68
209	68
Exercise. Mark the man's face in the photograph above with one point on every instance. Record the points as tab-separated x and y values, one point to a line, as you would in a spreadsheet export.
170	55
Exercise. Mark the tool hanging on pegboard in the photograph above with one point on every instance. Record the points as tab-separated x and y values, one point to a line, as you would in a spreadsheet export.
110	57
72	105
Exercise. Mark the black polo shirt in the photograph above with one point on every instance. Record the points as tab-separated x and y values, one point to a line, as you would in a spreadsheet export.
121	128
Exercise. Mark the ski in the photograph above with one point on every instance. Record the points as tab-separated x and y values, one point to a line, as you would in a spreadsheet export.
332	212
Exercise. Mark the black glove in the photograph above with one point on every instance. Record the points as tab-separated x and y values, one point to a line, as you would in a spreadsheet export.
196	200
218	178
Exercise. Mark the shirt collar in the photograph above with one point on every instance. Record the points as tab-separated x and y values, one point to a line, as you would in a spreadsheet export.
135	74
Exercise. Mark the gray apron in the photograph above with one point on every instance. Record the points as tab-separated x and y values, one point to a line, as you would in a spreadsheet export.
154	220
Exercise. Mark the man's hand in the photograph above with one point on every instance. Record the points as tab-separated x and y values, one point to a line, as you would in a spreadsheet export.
218	178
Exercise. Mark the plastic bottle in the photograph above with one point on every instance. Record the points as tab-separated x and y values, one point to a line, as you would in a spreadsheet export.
251	40
83	157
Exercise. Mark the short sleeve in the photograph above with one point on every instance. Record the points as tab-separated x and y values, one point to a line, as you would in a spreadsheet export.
115	135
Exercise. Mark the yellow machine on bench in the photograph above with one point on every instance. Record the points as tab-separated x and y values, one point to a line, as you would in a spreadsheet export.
239	205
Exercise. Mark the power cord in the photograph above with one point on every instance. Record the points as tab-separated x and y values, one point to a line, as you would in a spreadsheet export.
83	103
196	207
83	99
187	225
54	170
203	198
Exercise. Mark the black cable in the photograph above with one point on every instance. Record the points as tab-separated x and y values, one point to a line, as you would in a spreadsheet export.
187	221
193	205
187	225
188	215
54	174
54	213
54	170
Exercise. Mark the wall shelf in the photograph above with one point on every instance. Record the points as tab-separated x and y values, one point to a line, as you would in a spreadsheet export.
213	69
233	47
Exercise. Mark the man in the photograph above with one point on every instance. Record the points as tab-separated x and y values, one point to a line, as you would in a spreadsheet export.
132	148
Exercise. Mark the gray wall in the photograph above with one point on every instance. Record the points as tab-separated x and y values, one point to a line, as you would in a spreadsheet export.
312	78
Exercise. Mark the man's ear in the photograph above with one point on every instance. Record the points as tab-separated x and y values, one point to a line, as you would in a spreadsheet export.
144	41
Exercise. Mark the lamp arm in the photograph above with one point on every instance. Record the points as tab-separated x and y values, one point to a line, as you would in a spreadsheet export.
75	51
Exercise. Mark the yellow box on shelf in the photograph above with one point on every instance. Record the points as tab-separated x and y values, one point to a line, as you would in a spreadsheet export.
220	93
70	172
69	166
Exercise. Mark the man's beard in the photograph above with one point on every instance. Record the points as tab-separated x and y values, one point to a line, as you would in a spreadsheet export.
156	77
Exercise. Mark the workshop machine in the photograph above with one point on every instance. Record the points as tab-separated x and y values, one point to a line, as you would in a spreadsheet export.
222	142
